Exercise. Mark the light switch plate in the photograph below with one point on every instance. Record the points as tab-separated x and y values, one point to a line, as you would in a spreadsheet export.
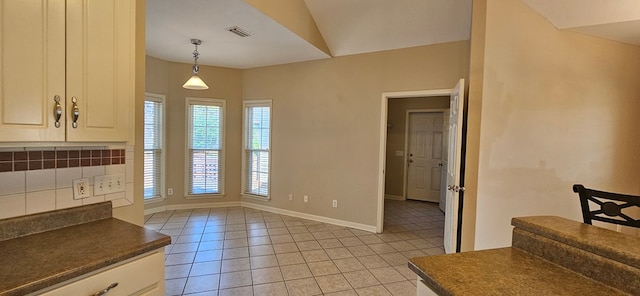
108	184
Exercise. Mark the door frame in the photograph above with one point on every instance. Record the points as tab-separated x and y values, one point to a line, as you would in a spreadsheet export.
382	152
405	171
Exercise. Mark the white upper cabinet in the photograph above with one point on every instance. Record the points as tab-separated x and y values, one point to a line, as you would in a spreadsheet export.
100	68
32	70
77	50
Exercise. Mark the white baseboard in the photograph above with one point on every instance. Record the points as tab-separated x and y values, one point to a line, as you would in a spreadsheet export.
193	206
394	197
369	228
155	210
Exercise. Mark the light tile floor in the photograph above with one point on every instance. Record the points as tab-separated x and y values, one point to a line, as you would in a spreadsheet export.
242	251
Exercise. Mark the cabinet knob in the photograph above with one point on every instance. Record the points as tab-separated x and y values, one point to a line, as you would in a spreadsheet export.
75	112
57	111
105	291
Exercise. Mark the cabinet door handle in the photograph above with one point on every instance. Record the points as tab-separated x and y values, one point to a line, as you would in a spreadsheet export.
75	113
105	291
57	111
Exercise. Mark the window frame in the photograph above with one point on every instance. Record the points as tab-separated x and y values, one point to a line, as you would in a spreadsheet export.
245	109
159	98
221	176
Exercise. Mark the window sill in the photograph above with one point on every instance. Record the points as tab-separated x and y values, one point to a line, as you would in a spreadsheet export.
154	199
256	197
204	196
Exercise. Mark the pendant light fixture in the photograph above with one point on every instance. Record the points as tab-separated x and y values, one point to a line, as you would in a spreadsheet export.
195	82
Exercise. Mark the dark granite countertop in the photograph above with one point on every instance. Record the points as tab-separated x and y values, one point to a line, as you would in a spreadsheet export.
505	271
35	261
603	242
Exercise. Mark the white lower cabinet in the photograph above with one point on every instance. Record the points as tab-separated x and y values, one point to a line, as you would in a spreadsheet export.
423	289
141	275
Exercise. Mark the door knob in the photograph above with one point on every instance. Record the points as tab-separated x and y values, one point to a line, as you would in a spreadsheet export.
440	164
455	188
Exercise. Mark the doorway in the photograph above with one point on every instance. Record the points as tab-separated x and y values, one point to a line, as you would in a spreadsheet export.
396	108
398	141
453	165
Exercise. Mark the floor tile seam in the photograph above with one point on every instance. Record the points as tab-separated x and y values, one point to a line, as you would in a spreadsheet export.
349	250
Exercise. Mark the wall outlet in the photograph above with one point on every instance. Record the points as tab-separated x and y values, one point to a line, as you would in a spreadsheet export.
108	184
80	188
170	191
335	203
290	196
306	198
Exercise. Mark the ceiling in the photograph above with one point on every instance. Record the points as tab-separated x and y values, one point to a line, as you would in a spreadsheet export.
350	27
610	19
347	26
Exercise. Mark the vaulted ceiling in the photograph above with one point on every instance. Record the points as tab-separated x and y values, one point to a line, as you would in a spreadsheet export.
610	19
287	31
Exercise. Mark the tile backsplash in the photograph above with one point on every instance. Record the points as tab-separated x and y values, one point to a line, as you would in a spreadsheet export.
60	158
40	179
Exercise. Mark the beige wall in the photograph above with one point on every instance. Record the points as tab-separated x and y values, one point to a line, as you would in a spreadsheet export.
135	212
157	77
167	78
557	108
474	108
397	115
326	119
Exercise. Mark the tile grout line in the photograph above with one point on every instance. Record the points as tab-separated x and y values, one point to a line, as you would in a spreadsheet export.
286	223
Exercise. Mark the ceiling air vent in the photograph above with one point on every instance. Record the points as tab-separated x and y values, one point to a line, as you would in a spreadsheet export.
239	31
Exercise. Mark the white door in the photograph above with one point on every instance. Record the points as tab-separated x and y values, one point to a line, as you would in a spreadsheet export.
424	157
445	149
453	168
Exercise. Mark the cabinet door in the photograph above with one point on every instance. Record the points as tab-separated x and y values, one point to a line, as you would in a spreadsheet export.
100	68
423	289
142	276
32	69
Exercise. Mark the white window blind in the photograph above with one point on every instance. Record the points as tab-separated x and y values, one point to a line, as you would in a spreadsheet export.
257	143
205	136
153	143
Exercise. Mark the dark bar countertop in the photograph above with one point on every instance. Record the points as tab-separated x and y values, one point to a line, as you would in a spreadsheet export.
549	256
505	271
45	249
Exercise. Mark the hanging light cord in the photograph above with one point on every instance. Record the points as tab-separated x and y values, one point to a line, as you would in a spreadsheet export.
195	60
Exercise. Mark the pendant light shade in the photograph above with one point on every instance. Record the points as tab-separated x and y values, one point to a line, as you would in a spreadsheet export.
195	82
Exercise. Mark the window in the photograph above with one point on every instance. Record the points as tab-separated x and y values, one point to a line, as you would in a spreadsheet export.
205	169
256	143
153	146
